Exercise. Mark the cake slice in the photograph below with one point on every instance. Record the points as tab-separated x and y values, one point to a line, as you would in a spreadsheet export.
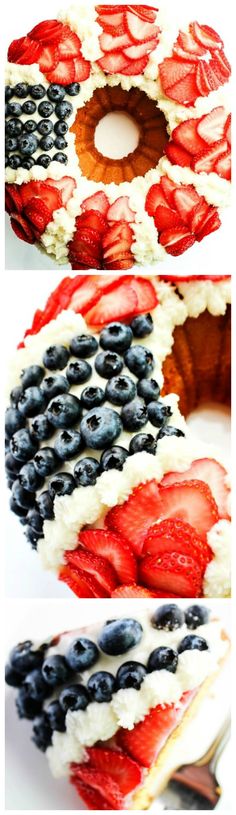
110	703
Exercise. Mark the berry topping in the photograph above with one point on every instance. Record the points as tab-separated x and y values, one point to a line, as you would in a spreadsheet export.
99	567
27	708
212	473
22	445
130	675
78	372
56	357
163	659
23	658
139	360
168	617
74	697
113	458
108	364
120	767
42	732
116	337
196	615
36	686
120	389
54	385
64	411
45	461
142	325
100	427
45	506
149	390
134	415
83	346
102	685
56	716
12	677
144	742
190	642
119	636
114	549
86	472
61	484
68	444
82	654
55	670
143	441
31	401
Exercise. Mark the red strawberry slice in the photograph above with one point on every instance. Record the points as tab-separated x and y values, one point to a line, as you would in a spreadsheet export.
172	571
221	65
82	69
146	295
91	290
212	223
148	737
134	68
227	131
212	126
184	55
96	566
223	166
166	218
13	202
63	73
48	31
172	71
113	24
173	535
147	13
121	211
109	9
65	185
122	769
91	797
133	518
94	220
109	43
206	36
113	63
176	240
198	215
177	155
187	135
168	188
115	549
22	228
138	51
70	45
205	161
118	231
210	471
186	90
133	591
101	782
188	43
98	201
15	49
154	199
81	583
185	199
117	251
190	501
38	213
48	59
40	189
30	52
123	263
139	30
122	306
207	78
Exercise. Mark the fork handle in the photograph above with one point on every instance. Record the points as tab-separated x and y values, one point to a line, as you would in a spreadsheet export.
199	779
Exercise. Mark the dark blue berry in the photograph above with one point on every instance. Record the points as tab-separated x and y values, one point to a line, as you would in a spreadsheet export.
148	389
139	360
196	615
55	670
130	675
83	346
45	506
60	143
29	106
102	685
30	126
163	659
61	484
24	658
61	128
75	697
120	389
32	536
27	708
92	397
14	127
73	89
86	472
63	110
42	732
23	497
167	430
134	415
9	92
56	92
78	372
27	163
19	511
108	364
100	428
142	325
12	677
158	413
31	401
29	478
21	90
13	421
15	393
114	458
116	337
37	91
43	160
192	642
56	357
11	144
56	716
45	109
44	127
82	654
34	520
45	461
64	410
168	617
14	162
28	144
119	636
14	109
68	444
143	441
41	428
22	446
46	143
60	157
12	466
54	385
36	685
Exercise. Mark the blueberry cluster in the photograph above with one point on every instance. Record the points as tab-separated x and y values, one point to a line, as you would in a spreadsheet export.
43	407
40	133
39	675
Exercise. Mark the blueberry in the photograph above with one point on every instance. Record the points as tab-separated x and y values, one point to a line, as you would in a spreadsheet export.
37	91
120	389
12	677
45	461
101	686
116	337
41	428
10	144
14	162
100	427
192	641
34	520
134	414
60	157
54	385
168	617
142	325
27	708
36	685
21	90
14	109
32	536
24	658
108	364
31	401
148	389
130	675
13	421
68	444
30	126
56	93
143	441
9	92
92	397
22	446
12	466
139	360
61	484
86	472
44	127
56	716
46	143
61	128
196	615
45	506
83	346
23	497
56	357
78	372
42	733
14	395
29	107
63	110
158	413
19	511
114	458
28	144
45	109
29	478
27	163
119	636
73	89
43	160
64	410
55	670
75	697
82	654
167	430
14	127
163	659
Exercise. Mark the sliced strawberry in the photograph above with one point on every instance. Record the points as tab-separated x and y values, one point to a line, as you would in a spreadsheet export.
91	797
109	9
204	162
133	591
121	211
198	215
101	782
117	251
227	131
115	549
123	770
118	231
63	73
123	263
134	68
147	738
92	219
223	166
211	127
155	198
185	199
15	49
176	240
98	202
82	69
166	218
146	13
49	57
113	63
98	567
172	71
48	31
40	189
177	155
133	518
211	224
139	30
145	293
81	583
186	90
173	535
30	52
206	36
179	52
138	51
168	188
190	501
22	228
221	66
210	471
120	307
109	43
38	214
172	571
187	135
188	43
13	202
113	25
65	185
69	47
90	291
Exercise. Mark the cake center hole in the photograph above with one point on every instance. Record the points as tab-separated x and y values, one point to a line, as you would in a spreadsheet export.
116	135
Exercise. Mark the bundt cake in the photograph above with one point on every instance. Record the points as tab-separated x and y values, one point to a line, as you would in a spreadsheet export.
112	705
114	492
98	210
